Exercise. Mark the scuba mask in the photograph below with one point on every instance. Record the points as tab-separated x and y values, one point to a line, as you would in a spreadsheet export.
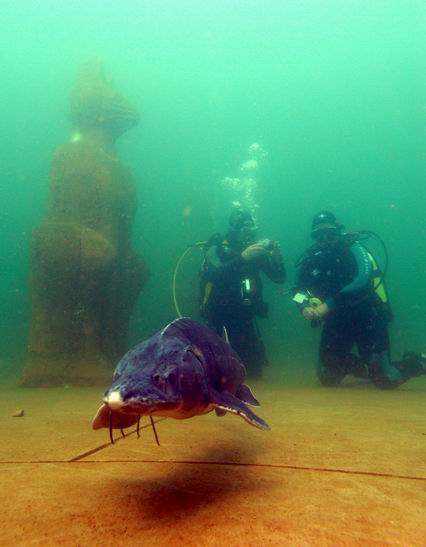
246	235
242	234
326	231
326	234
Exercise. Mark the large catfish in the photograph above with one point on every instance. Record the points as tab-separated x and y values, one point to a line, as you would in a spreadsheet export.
182	371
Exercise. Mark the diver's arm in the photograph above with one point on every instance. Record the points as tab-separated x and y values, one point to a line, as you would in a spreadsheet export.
274	269
303	297
361	279
301	291
272	264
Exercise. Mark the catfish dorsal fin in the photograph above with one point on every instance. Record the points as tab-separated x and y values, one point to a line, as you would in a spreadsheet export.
225	335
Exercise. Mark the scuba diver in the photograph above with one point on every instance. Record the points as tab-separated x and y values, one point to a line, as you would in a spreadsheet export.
231	286
341	286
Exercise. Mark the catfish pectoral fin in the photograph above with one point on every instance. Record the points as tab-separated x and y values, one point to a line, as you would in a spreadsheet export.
230	403
101	418
246	395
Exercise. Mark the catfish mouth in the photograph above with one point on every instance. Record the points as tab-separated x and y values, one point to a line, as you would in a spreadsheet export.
140	404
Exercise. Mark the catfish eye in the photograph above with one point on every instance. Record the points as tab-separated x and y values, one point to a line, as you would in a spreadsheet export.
172	379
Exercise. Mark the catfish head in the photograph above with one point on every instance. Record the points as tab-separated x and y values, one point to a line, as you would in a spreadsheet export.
155	379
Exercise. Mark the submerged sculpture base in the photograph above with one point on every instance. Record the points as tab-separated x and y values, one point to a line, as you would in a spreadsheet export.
50	372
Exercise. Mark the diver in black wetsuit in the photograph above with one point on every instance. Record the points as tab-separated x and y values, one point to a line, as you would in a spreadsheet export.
340	285
231	287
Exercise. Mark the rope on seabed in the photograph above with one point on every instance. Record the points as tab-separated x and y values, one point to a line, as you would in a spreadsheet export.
79	460
271	466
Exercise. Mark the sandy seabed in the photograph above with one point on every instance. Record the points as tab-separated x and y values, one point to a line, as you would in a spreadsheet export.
343	466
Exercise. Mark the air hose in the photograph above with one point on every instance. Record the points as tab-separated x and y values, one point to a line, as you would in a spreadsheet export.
200	245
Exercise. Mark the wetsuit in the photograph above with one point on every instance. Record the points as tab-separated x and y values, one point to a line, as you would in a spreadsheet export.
347	279
231	297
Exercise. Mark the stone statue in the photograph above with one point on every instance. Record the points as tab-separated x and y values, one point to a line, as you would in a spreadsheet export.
85	276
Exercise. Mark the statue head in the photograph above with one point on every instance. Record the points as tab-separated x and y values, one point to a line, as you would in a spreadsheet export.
96	104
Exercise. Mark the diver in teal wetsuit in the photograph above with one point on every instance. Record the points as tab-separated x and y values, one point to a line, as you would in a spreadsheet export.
340	286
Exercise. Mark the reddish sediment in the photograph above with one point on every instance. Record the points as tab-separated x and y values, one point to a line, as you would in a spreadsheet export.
341	466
